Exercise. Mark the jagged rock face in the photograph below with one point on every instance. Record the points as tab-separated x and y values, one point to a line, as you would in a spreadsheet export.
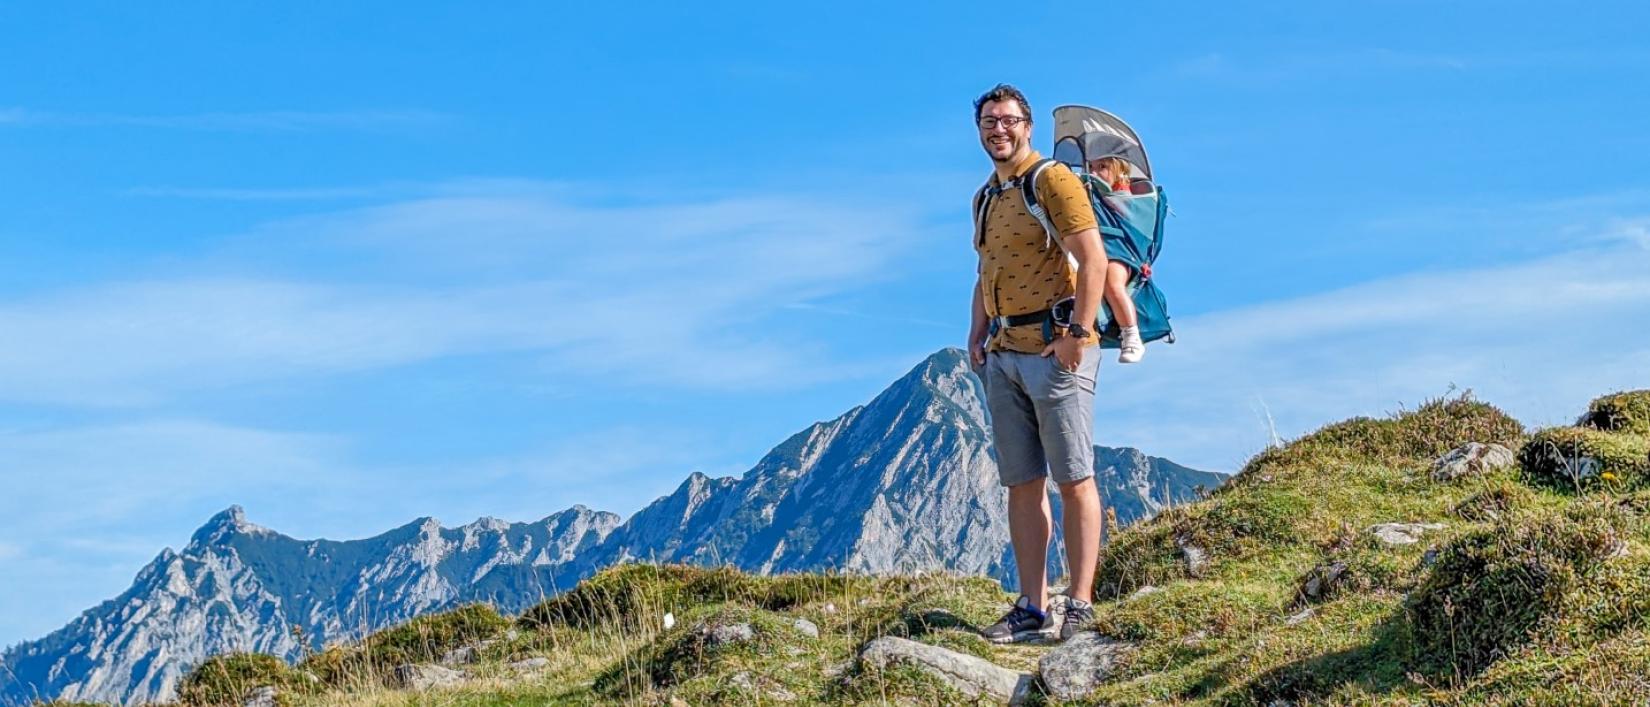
905	483
239	587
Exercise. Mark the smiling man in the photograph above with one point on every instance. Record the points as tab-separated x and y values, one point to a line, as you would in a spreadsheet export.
1038	366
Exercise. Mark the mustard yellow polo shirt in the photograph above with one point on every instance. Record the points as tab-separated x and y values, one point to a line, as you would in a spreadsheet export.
1020	270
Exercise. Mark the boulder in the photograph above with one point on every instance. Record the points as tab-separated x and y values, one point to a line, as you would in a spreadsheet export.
1075	668
1402	533
424	677
1471	458
1145	591
975	677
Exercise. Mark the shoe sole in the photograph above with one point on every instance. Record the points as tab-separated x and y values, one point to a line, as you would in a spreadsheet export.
1036	636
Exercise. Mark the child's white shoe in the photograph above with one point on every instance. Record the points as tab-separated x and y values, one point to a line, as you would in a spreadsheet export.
1132	349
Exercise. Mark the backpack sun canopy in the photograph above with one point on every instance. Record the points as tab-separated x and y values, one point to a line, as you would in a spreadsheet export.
1083	134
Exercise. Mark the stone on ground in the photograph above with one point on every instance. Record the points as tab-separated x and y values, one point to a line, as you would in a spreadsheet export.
422	677
262	697
1471	458
1402	533
1075	668
975	677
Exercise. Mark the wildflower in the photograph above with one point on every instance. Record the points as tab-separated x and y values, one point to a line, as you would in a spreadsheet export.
1607	476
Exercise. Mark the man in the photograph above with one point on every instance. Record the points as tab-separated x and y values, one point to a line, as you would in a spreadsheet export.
1039	391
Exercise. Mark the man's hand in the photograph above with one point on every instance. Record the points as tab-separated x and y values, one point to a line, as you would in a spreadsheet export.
1068	350
976	348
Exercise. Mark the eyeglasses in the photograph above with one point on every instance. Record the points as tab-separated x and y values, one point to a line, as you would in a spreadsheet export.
989	122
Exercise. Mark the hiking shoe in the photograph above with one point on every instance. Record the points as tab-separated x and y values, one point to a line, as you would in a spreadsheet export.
1021	623
1132	349
1079	615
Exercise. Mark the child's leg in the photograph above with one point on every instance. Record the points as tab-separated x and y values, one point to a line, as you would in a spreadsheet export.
1117	293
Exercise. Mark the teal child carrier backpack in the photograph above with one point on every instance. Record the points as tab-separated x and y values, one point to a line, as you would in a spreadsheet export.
1131	222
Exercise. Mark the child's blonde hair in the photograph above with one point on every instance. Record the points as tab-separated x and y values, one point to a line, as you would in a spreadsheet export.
1120	170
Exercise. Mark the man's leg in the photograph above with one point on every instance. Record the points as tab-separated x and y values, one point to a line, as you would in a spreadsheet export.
1029	526
1081	518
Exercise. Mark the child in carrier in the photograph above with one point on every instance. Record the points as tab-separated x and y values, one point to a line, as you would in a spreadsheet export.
1113	173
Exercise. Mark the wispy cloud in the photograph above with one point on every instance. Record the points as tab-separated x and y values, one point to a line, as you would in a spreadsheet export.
651	294
248	194
1538	338
254	121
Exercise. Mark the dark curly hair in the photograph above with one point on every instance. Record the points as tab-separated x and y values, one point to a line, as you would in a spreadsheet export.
1002	92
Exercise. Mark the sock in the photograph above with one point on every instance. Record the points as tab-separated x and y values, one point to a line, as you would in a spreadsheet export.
1130	332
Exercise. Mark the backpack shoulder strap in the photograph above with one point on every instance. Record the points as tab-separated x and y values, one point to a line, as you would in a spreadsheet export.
1028	189
981	205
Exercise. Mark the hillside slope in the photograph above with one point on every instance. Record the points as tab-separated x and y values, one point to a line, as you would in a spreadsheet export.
1368	562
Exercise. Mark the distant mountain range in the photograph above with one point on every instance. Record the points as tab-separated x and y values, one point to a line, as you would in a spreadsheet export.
904	483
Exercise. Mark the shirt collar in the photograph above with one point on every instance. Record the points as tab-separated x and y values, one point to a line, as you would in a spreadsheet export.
1020	167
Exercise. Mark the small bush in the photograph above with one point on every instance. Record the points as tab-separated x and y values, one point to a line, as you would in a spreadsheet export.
422	640
1440	426
630	595
1620	412
684	654
226	679
1579	458
1491	589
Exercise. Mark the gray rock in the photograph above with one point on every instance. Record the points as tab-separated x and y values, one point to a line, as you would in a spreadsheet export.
424	677
1145	591
463	655
1403	533
1471	458
530	665
1300	616
1323	580
1075	668
725	634
262	697
969	675
808	628
1196	558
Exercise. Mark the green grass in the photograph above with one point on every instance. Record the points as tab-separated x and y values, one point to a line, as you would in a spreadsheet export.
1535	591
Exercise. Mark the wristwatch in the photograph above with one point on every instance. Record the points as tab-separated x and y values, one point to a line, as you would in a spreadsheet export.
1077	330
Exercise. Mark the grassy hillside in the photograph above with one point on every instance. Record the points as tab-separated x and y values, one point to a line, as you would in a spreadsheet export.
1525	584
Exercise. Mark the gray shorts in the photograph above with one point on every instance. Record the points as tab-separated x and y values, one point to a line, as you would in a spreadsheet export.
1042	415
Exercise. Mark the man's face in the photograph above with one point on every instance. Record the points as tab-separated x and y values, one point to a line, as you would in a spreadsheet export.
1002	141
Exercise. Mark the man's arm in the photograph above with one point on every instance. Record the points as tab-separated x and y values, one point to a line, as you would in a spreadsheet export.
1091	274
977	329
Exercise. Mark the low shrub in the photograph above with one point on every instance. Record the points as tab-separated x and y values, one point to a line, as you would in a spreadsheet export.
226	679
1493	588
1627	411
1581	458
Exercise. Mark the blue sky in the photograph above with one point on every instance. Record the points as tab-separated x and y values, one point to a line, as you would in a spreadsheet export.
348	266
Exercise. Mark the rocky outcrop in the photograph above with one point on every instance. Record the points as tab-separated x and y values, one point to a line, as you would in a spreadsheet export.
974	677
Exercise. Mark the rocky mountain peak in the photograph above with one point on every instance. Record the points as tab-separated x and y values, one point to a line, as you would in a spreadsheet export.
226	523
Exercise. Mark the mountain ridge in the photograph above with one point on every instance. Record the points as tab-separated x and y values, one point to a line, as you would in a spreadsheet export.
904	482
